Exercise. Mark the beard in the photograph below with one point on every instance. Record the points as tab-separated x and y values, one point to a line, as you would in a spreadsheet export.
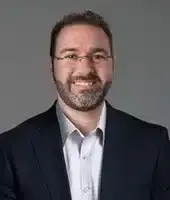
85	99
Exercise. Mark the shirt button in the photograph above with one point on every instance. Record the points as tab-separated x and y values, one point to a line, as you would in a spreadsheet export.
84	157
86	189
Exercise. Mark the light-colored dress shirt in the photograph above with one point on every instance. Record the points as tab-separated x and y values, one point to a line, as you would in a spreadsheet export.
83	156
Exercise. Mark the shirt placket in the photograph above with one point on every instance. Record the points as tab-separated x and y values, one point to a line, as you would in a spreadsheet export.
86	168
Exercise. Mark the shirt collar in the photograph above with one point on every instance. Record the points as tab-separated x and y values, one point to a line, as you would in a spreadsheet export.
67	127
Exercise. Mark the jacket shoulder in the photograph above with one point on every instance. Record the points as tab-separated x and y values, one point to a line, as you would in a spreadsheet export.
137	125
22	131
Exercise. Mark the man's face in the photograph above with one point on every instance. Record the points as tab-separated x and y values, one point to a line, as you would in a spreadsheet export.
82	83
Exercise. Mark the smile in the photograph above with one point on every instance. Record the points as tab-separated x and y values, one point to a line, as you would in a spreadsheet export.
84	83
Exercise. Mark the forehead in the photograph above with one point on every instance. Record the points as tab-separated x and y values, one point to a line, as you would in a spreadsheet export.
82	37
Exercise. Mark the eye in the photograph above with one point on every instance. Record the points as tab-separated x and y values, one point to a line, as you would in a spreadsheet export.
98	57
71	57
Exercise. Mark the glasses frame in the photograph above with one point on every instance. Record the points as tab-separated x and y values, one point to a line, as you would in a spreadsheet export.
85	56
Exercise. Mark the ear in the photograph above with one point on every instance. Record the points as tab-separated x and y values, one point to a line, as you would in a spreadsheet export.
50	63
114	70
50	66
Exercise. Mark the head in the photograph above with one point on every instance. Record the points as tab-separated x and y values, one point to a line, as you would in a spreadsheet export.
82	60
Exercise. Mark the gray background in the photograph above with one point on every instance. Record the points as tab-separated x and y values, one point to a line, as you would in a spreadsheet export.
141	31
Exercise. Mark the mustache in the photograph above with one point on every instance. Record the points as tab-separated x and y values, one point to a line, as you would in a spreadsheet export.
89	77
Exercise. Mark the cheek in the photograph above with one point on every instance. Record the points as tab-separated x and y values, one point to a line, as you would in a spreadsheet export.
106	74
62	73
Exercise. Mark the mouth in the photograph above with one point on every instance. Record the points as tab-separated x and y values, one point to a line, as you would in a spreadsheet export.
84	84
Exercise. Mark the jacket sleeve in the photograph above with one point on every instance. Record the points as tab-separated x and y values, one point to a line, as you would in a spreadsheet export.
6	178
161	178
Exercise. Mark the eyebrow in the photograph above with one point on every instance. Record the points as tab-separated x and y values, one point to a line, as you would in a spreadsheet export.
67	49
92	50
99	49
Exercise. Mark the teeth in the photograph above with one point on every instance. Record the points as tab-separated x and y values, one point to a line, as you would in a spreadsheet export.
83	83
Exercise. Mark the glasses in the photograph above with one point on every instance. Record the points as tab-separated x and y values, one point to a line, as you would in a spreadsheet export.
73	58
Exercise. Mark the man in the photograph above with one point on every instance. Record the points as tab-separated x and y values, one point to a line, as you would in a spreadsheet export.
82	148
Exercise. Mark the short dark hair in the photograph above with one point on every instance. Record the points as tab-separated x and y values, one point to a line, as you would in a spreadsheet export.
86	17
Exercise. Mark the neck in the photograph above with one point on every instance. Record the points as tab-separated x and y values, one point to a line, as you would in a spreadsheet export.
84	121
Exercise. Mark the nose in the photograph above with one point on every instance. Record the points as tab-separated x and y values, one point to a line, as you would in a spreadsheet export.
84	65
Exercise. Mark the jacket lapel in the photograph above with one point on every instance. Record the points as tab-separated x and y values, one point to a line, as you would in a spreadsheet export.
116	143
48	149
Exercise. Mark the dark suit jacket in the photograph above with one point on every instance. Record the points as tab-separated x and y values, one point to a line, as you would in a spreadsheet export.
136	164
